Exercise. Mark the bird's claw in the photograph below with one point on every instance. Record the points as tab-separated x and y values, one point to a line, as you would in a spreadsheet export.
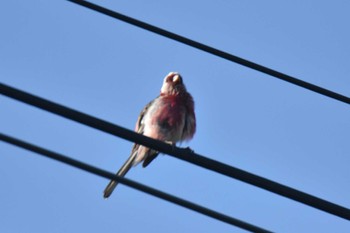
170	142
189	150
173	144
186	149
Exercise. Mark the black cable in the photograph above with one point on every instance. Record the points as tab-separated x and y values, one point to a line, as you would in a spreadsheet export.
132	184
183	154
214	51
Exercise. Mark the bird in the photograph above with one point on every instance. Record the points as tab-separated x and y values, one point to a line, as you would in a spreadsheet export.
170	117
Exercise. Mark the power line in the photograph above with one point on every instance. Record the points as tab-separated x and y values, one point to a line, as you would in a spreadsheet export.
132	184
214	51
183	154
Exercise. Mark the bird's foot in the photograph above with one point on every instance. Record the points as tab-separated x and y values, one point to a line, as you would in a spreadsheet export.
186	149
173	144
189	150
170	142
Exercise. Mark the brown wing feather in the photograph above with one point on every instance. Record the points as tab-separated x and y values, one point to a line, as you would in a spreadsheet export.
129	162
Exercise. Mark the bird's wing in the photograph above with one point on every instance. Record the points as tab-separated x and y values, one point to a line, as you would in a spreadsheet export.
139	123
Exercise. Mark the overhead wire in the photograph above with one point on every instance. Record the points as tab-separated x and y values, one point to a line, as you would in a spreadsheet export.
135	185
184	154
214	51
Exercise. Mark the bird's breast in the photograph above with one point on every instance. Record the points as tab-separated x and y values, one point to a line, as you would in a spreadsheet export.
166	119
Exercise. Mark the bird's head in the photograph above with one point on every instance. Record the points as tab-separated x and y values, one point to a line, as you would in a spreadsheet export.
173	84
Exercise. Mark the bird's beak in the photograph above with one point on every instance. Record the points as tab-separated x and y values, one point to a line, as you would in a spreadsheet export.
176	78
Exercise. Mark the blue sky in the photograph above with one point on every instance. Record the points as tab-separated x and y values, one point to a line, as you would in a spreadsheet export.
109	69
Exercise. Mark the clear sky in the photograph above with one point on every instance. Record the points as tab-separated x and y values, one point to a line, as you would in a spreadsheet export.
109	69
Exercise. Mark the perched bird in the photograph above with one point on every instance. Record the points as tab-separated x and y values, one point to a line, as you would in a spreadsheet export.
170	118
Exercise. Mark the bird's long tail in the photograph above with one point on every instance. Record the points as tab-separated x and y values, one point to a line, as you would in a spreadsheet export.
122	171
